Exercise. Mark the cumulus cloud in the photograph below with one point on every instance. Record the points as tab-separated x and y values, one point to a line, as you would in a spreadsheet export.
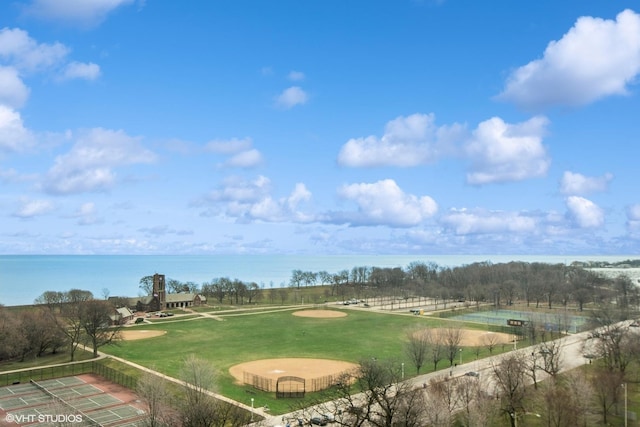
383	203
32	208
245	159
237	189
241	152
14	137
407	141
584	213
596	58
578	184
80	70
13	92
90	164
18	49
479	221
248	201
501	152
291	97
21	54
81	12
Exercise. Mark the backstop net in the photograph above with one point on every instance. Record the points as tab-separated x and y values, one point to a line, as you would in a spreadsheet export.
290	386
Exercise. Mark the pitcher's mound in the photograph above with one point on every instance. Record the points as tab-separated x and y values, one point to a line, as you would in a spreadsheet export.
139	334
321	314
317	373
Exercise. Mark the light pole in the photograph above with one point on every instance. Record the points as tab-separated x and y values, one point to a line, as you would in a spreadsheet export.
460	350
624	385
403	371
252	409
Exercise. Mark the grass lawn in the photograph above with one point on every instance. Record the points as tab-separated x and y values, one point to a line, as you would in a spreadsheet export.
360	335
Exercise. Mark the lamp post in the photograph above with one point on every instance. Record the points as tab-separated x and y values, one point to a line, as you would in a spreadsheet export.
624	385
403	371
252	409
460	350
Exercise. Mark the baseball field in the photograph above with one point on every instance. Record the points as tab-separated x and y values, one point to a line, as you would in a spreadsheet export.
309	344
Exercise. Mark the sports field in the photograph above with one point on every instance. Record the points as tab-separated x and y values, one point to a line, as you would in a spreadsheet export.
232	340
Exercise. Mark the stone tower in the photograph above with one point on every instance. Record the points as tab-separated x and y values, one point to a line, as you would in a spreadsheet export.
159	289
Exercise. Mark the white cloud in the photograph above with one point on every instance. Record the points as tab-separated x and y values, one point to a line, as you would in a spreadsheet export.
243	155
478	221
501	152
578	184
89	165
407	141
633	219
237	189
82	12
291	97
26	54
14	137
584	213
22	54
87	214
252	200
245	159
384	203
296	76
596	58
229	146
32	208
13	91
80	70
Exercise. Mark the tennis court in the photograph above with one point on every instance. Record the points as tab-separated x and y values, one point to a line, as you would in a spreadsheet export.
550	321
89	399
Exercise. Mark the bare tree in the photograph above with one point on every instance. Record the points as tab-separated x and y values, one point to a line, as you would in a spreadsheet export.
613	340
65	311
445	390
510	380
95	320
11	339
198	407
452	338
153	391
477	407
283	294
551	353
490	340
606	386
417	347
373	395
39	332
146	285
436	347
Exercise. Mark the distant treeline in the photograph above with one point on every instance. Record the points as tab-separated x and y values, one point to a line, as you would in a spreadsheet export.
500	284
629	263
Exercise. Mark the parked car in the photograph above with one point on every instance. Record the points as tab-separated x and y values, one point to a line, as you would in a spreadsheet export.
330	418
319	421
472	374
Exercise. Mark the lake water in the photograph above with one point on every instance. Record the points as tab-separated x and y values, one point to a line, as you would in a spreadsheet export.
25	277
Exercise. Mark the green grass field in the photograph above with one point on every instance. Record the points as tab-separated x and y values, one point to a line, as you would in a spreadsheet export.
237	339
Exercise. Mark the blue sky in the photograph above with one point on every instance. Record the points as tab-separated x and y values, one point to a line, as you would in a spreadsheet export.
319	127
